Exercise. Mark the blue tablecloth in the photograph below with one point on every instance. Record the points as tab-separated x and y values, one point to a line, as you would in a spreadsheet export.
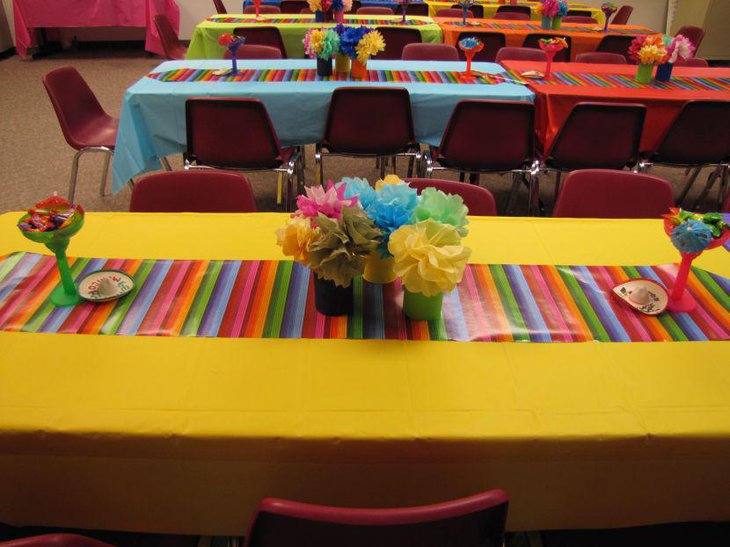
152	123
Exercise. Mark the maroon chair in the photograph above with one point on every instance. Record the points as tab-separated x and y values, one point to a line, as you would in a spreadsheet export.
470	143
478	199
455	13
375	10
262	36
583	19
306	11
533	41
219	7
493	42
597	136
692	61
511	16
429	52
84	123
694	34
194	191
351	130
171	45
476	521
476	9
579	13
520	54
237	134
419	9
726	204
395	40
248	51
616	44
515	9
622	15
55	540
697	138
605	193
600	58
293	6
263	8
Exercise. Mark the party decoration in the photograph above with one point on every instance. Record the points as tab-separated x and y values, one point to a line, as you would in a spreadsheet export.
551	46
608	9
443	208
465	5
470	46
552	12
321	9
679	47
691	234
322	45
53	222
232	42
359	43
404	8
643	295
339	7
105	285
647	51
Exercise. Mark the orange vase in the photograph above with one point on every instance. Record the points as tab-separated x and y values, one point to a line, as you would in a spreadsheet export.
358	69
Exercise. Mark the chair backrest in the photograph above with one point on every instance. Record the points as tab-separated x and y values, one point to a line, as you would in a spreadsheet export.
515	9
75	104
692	61
622	15
476	521
616	44
194	191
698	135
248	51
306	10
607	193
350	127
54	540
578	13
262	36
395	40
471	141
520	54
375	10
476	9
533	40
455	12
219	7
726	204
601	58
478	199
263	8
511	16
429	52
231	133
493	42
694	34
171	45
292	6
584	19
600	136
419	9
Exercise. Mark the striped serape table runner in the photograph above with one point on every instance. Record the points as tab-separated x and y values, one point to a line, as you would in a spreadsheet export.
275	299
625	81
505	25
377	21
310	75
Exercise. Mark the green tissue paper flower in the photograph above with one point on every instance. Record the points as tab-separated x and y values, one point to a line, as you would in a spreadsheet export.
444	208
339	254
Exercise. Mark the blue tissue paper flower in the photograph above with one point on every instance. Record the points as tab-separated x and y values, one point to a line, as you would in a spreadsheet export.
392	208
359	187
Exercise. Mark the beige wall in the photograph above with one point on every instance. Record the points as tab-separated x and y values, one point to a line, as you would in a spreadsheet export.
713	16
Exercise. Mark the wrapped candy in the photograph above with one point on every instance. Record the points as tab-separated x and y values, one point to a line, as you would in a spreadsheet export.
692	236
51	214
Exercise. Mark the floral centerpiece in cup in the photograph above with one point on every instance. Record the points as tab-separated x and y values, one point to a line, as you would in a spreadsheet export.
608	9
339	7
647	51
232	42
333	236
679	47
465	5
322	45
360	43
552	12
322	10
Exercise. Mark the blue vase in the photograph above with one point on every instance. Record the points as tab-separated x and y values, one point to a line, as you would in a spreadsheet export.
319	16
546	23
664	72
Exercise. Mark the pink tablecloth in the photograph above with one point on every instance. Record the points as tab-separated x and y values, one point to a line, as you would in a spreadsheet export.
32	14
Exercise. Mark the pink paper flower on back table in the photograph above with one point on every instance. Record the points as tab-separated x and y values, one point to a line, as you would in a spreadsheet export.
328	202
680	47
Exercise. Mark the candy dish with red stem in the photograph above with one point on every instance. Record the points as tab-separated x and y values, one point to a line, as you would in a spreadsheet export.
551	46
470	46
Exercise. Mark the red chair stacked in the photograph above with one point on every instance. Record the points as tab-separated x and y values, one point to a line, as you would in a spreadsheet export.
622	15
262	36
171	45
395	40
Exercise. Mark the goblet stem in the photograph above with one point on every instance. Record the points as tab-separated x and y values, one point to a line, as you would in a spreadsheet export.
679	299
67	279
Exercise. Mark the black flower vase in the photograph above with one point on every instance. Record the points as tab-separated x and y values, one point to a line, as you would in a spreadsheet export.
324	67
330	299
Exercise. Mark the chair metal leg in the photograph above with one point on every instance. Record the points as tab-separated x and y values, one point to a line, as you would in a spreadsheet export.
516	182
708	186
533	197
395	172
105	173
165	164
382	167
723	186
318	167
690	180
74	175
557	185
461	176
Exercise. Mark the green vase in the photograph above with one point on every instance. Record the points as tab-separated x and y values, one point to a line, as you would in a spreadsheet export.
643	73
419	306
557	21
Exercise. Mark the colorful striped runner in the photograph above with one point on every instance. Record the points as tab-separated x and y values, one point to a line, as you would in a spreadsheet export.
275	299
626	81
310	75
372	21
505	25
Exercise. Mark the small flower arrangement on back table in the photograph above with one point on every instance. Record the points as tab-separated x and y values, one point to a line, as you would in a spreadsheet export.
552	12
647	51
322	45
360	43
679	47
232	43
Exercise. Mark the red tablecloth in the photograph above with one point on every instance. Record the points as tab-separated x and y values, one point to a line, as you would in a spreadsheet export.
555	101
32	14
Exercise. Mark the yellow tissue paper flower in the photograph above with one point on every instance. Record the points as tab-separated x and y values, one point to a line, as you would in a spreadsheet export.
315	40
429	256
369	45
651	55
391	179
296	236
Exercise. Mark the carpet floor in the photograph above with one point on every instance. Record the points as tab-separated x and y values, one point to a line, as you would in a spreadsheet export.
35	161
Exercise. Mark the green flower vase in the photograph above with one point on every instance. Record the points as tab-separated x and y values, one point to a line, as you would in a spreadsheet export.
557	23
421	307
643	73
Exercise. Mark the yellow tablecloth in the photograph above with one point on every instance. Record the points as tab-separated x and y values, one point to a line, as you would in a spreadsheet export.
490	8
186	435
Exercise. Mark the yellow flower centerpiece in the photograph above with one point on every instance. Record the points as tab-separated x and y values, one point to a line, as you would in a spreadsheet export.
647	51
